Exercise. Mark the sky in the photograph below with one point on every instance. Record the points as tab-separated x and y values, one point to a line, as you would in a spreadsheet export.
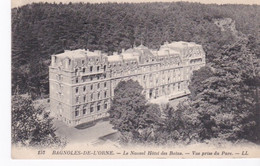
17	3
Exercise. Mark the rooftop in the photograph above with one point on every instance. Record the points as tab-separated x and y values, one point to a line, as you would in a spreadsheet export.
113	58
132	53
78	54
181	44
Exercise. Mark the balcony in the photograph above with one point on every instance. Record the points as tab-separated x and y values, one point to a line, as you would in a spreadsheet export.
91	73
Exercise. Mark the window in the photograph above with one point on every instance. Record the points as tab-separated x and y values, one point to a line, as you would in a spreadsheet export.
98	77
98	68
77	90
98	95
98	107
91	96
84	88
98	85
77	80
91	68
76	113
84	111
77	99
82	61
76	70
84	70
91	78
84	98
105	84
105	106
105	94
105	68
91	109
91	87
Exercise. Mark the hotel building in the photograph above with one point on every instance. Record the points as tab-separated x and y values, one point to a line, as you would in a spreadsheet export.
82	82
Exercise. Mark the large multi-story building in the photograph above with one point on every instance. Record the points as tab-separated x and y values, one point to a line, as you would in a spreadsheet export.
82	82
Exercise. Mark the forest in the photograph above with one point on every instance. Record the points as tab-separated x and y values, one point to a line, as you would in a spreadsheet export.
40	30
224	101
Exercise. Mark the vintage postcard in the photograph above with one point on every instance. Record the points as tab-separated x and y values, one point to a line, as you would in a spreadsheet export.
135	79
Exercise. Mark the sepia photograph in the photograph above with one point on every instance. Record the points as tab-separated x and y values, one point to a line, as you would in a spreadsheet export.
135	79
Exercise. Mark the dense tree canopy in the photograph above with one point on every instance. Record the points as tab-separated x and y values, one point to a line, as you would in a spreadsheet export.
225	94
130	113
42	29
224	100
32	126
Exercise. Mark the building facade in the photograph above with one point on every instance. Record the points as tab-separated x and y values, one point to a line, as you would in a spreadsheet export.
82	82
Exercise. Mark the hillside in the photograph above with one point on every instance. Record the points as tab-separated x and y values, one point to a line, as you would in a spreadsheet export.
42	29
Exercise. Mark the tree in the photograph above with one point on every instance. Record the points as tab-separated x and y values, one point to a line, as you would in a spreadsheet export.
224	100
130	113
198	77
32	126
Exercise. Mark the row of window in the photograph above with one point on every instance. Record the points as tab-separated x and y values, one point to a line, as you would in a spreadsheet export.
84	88
91	69
91	59
91	78
91	97
84	110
